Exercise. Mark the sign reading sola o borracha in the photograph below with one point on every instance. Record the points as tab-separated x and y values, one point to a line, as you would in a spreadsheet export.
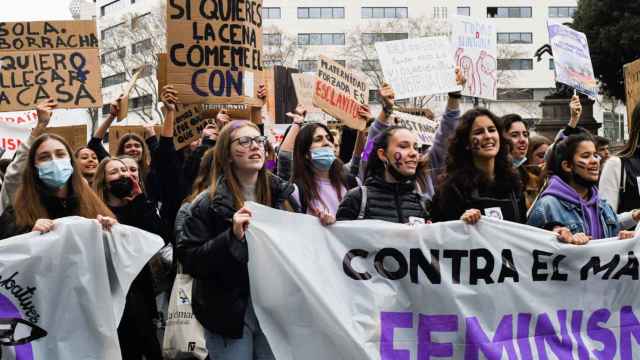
385	291
43	59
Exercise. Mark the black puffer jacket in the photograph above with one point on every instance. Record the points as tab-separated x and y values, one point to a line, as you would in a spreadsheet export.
394	202
210	253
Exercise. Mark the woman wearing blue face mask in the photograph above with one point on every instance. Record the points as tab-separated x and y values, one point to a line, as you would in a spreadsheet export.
51	188
320	178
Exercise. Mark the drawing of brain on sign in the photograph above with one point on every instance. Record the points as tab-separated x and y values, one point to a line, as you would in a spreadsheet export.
49	59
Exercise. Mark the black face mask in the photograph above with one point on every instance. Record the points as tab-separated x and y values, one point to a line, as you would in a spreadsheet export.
583	182
121	188
396	174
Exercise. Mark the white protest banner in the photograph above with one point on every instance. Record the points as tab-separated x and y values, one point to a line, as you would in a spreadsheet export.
15	128
418	67
572	59
422	127
72	283
495	290
476	51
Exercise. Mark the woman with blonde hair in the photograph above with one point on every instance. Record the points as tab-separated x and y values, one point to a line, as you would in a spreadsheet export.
51	188
213	248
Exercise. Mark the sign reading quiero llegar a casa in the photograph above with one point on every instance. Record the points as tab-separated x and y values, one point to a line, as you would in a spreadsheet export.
49	59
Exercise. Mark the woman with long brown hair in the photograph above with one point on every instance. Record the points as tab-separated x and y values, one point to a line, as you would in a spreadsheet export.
213	249
51	188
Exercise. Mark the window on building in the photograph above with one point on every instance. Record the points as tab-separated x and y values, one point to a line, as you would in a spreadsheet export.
139	21
113	55
341	62
372	38
552	65
464	10
515	94
515	38
562	11
271	13
111	31
141	101
515	64
373	96
105	109
308	65
439	12
320	13
141	46
116	79
509	12
384	12
110	7
321	39
272	39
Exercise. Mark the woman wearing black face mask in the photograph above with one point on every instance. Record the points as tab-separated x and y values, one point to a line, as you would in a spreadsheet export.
122	193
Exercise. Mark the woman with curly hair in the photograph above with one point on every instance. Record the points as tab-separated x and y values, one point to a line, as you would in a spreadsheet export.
480	175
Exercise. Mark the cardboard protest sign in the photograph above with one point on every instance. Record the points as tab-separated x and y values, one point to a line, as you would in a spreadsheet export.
340	92
572	59
161	71
422	127
632	87
116	132
476	51
215	51
303	84
418	67
190	121
43	59
76	135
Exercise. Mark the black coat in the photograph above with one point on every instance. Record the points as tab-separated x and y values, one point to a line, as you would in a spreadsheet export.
394	202
56	208
450	202
217	260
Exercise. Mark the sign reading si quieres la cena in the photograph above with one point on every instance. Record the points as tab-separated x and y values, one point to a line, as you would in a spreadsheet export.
215	50
43	59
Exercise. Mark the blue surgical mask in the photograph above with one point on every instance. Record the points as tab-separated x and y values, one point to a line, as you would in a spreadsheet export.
322	158
518	162
55	173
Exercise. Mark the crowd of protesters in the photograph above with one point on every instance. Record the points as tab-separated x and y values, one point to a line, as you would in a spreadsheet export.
479	164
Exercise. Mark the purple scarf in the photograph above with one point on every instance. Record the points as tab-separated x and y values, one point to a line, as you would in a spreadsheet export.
590	213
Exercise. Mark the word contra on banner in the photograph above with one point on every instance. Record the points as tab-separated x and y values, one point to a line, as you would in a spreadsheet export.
43	59
414	297
418	67
340	92
215	50
476	51
632	87
571	59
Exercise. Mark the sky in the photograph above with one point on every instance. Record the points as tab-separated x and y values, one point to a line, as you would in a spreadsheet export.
32	10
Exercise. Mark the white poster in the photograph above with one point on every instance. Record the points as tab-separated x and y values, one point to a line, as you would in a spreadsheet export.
476	51
67	289
419	66
494	290
572	60
422	127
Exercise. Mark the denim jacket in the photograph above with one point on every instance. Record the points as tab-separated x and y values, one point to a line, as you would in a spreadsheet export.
549	211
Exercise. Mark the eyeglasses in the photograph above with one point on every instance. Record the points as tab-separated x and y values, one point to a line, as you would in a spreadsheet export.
245	141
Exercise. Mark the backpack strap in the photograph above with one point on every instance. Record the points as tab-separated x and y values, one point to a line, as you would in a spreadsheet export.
623	175
363	202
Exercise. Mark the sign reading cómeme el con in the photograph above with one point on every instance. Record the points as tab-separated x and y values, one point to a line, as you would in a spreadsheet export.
49	59
339	92
215	50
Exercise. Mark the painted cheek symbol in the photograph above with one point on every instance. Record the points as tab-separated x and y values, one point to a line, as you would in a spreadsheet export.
475	144
397	157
